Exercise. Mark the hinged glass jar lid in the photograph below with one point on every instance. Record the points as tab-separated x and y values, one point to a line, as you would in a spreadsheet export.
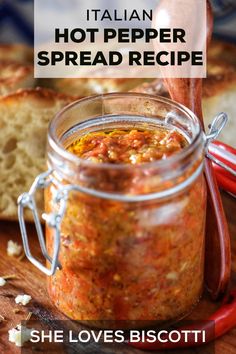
125	241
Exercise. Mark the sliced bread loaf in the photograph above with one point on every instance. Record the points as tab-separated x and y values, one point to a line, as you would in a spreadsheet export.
24	118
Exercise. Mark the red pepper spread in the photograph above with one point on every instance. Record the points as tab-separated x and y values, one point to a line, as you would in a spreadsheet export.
128	146
128	260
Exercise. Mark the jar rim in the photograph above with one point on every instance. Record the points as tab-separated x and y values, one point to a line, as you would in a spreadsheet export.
57	146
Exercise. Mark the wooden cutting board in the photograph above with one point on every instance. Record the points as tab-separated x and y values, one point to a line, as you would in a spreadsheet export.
30	280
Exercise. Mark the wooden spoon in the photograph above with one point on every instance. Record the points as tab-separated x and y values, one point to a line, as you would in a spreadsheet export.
218	259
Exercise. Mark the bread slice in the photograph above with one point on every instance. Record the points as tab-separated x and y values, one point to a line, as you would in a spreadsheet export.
92	86
16	52
219	88
14	75
24	118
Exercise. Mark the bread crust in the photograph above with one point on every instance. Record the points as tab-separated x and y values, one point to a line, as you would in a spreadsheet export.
14	75
92	86
38	95
16	52
221	76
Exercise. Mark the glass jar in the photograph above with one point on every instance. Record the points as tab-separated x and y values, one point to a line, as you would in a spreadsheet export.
127	240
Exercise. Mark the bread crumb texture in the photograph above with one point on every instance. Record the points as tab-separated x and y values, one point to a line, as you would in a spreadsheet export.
23	299
19	335
24	119
13	249
2	281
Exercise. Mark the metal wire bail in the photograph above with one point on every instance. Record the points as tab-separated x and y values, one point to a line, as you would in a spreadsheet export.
216	127
27	200
218	124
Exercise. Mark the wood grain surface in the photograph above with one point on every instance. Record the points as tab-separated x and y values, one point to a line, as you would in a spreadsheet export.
31	281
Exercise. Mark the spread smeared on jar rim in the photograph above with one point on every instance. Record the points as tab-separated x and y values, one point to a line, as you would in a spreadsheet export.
128	146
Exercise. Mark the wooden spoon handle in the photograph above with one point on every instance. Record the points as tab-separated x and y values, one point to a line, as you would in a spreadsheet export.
218	257
218	251
186	92
189	93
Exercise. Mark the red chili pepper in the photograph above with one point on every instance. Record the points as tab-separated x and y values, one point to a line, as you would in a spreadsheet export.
220	170
215	326
225	146
225	182
226	154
